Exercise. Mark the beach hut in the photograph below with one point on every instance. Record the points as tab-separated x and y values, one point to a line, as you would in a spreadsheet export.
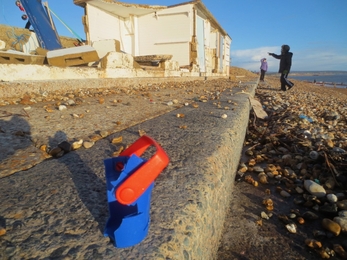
187	32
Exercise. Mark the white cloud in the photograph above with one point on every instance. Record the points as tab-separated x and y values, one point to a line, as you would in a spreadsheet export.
315	59
250	59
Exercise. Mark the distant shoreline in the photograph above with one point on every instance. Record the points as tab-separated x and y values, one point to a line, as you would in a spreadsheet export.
314	73
317	74
319	78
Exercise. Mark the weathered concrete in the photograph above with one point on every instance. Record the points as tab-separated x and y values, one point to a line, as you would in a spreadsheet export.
22	87
16	57
189	201
105	46
72	56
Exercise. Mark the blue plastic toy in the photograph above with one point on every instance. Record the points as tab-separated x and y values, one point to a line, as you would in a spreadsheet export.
130	180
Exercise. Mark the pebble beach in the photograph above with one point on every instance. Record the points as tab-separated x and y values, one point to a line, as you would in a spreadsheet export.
294	167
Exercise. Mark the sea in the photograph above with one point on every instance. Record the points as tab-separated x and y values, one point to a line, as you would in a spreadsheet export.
329	79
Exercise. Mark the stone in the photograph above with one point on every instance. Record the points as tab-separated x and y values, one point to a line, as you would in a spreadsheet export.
65	146
332	198
299	200
342	221
314	188
264	215
314	155
342	204
258	169
340	251
291	228
330	184
343	213
301	220
71	102
299	190
76	145
95	137
104	134
117	140
88	145
329	209
331	226
2	232
62	107
56	152
309	215
313	243
319	234
284	194
340	196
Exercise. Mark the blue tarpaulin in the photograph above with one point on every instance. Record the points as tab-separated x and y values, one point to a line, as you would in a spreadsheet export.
46	36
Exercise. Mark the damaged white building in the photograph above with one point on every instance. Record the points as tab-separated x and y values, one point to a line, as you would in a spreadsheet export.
125	41
187	31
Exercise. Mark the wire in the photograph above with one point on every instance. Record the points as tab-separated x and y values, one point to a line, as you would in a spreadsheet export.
72	31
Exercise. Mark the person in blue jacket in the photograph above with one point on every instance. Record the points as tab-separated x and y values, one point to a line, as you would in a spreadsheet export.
285	64
263	68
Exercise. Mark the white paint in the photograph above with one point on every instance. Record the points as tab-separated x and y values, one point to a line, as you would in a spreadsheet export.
167	32
103	26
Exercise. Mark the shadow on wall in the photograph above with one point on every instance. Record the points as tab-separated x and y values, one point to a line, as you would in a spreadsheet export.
91	189
14	134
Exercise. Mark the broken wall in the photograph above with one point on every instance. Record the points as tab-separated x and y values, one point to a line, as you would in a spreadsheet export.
104	26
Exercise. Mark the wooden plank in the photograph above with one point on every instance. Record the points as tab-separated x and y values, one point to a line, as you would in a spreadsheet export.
258	108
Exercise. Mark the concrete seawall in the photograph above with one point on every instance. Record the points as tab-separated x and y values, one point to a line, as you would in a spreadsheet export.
190	198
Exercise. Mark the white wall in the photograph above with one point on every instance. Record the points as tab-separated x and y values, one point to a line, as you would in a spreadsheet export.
226	65
104	26
168	31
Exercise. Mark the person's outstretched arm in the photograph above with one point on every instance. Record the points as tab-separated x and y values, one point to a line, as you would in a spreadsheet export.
275	55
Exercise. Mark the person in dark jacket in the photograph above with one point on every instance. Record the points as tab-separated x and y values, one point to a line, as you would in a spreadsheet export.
263	68
285	65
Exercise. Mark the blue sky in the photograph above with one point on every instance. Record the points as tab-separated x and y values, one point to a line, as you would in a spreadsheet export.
314	29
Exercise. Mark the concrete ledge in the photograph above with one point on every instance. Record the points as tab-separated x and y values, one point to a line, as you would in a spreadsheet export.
191	203
15	57
190	198
72	56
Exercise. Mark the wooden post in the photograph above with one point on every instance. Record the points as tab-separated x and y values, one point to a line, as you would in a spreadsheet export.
45	4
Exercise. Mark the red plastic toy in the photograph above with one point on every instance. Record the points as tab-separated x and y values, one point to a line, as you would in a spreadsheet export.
132	188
